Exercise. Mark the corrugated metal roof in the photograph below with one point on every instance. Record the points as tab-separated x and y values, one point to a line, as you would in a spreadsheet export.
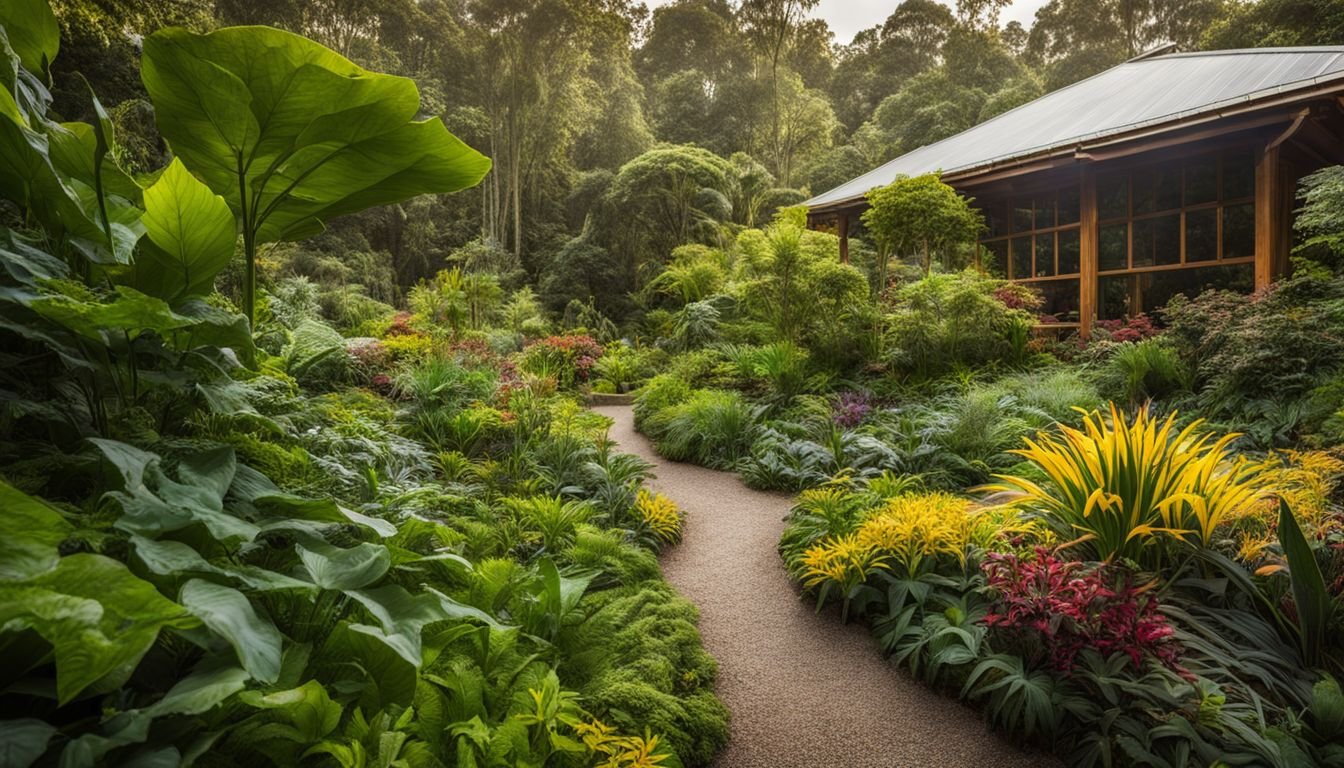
1133	95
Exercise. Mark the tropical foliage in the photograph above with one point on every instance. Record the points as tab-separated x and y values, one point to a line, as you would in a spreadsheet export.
228	542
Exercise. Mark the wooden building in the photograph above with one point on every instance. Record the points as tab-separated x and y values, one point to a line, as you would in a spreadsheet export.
1167	174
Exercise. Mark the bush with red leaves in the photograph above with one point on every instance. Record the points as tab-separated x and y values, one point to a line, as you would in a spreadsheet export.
569	358
1062	607
1136	328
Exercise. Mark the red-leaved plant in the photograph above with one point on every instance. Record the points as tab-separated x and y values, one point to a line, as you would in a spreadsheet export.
1062	607
1136	328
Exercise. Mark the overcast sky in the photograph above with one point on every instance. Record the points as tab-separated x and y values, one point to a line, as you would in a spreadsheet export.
847	17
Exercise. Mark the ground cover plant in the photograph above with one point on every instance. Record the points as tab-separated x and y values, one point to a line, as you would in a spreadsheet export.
246	537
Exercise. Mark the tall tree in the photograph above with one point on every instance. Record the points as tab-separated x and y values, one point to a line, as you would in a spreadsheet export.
771	26
1072	39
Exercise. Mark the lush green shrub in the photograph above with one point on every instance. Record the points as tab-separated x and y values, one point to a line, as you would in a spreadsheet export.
712	428
645	661
1136	372
658	394
947	322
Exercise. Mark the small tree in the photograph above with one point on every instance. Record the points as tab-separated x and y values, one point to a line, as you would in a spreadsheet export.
918	214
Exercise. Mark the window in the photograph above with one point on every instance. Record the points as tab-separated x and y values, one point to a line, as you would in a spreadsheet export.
1034	238
1174	227
1163	227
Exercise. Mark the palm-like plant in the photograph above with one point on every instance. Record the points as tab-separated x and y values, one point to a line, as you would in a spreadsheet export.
1118	488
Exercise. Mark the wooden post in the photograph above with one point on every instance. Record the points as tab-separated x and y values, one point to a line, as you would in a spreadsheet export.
1270	234
1088	250
842	229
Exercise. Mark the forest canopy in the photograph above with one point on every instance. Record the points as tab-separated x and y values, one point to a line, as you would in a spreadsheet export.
619	131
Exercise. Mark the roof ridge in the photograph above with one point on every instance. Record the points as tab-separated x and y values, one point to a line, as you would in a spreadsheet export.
1294	49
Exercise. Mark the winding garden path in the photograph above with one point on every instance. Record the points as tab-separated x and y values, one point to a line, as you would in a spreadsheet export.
805	691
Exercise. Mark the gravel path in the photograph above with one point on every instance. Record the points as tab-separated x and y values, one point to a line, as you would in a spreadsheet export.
805	691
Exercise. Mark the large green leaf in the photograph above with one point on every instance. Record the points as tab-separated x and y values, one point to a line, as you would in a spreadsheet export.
131	313
30	535
401	616
153	503
22	742
33	32
173	558
335	568
292	132
98	617
200	691
192	234
227	613
1310	596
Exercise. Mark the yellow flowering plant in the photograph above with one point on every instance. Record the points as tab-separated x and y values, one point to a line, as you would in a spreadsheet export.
660	515
1121	488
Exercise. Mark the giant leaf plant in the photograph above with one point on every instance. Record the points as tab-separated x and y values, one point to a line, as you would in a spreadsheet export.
292	134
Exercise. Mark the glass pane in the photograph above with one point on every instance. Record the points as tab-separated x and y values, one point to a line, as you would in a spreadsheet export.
1022	215
1238	174
1167	187
1201	235
1113	197
1068	206
1045	255
1068	252
1143	192
994	258
1201	181
1045	211
1113	296
1156	289
996	217
1167	239
1020	258
1239	231
1143	244
1060	300
1114	249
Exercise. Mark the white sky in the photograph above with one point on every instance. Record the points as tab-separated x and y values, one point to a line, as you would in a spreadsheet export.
847	17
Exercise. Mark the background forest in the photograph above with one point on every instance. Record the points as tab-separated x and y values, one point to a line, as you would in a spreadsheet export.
590	109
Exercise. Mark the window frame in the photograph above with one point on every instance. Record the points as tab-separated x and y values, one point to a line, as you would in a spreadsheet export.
1218	205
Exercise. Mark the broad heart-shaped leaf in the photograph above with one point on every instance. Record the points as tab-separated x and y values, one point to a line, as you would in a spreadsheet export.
22	742
33	32
282	505
98	617
192	234
131	313
293	134
200	691
402	616
30	534
153	503
335	568
310	712
173	558
227	613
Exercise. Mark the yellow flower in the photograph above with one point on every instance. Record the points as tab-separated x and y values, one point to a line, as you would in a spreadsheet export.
912	528
1306	480
842	560
660	514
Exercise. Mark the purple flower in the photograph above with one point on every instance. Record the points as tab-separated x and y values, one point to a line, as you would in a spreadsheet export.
850	409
